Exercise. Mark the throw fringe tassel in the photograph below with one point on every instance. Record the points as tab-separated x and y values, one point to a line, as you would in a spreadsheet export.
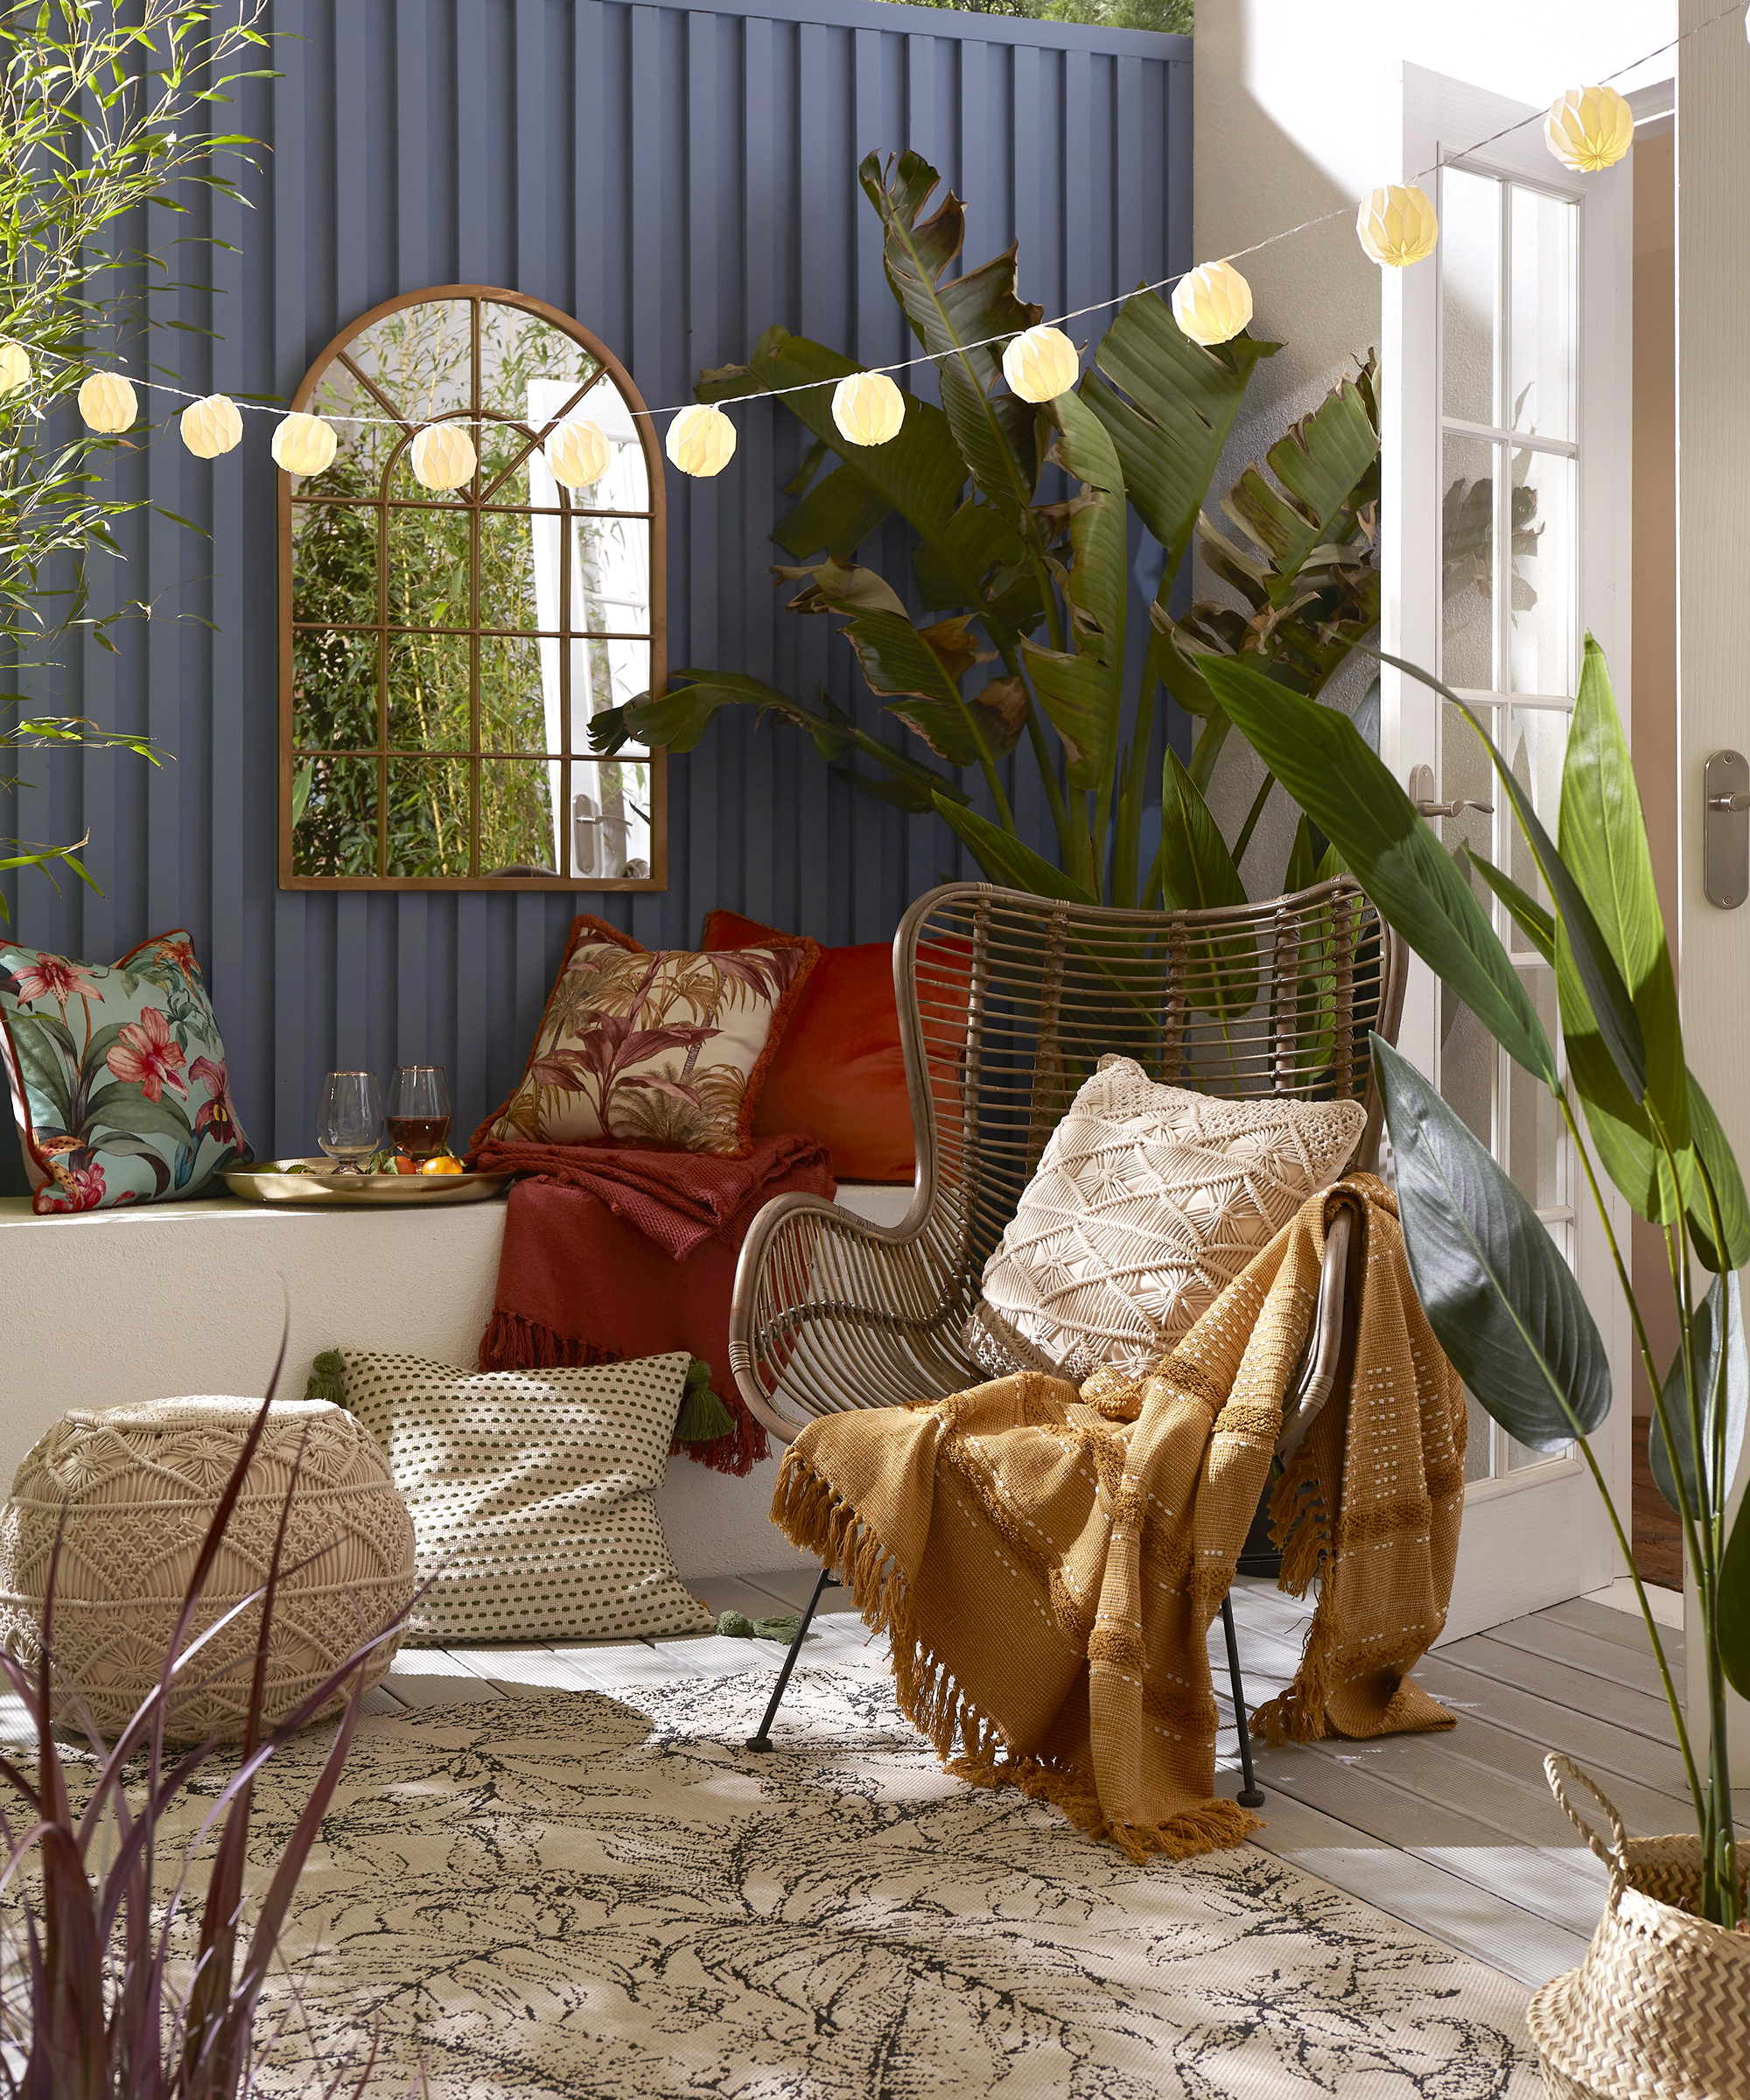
512	1343
811	1514
1300	1525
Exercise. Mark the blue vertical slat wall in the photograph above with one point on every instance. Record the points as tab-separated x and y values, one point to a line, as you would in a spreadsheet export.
677	178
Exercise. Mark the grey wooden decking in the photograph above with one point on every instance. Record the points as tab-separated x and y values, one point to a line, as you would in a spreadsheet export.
1454	1833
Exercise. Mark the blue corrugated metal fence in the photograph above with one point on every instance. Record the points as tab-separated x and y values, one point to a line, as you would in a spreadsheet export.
677	178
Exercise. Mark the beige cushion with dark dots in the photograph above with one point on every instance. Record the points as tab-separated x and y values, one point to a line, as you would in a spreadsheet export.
530	1493
1148	1200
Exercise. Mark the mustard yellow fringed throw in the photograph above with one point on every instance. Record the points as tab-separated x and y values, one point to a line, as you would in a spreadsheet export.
1046	1563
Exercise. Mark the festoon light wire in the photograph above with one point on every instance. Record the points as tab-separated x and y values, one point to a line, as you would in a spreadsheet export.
933	357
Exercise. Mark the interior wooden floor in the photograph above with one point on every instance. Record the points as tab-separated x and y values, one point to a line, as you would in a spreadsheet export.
1454	1833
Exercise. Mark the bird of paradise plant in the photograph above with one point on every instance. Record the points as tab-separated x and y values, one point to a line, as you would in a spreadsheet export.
1503	1303
93	2004
1023	638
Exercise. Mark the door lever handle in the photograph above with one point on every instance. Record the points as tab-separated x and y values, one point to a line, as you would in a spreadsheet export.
1725	830
1422	797
1427	806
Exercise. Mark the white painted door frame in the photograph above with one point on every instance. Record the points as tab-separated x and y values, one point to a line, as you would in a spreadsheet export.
1534	1537
1713	555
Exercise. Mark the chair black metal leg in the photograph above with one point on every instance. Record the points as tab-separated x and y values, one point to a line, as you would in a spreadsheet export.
763	1740
1251	1795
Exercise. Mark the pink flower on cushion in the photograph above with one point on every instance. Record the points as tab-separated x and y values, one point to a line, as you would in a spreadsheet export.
144	1054
215	1113
79	1187
55	977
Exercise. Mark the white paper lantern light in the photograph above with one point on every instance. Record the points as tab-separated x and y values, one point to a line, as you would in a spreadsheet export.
1589	128
212	426
15	366
443	456
1212	303
1397	224
1040	363
577	454
107	403
701	440
304	445
868	407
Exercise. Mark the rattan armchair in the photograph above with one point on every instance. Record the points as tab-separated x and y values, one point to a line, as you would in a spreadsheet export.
1007	1002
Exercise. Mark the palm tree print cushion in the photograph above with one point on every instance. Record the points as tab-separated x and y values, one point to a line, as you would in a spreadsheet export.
655	1046
117	1076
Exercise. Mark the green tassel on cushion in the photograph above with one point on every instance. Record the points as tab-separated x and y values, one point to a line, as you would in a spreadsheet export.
703	1415
742	1629
327	1378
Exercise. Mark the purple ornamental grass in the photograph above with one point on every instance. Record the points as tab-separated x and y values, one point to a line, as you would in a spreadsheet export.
89	2010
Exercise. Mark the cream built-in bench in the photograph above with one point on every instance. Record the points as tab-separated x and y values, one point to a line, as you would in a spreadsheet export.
174	1298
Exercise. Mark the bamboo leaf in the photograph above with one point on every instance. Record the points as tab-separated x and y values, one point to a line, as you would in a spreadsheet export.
1504	1305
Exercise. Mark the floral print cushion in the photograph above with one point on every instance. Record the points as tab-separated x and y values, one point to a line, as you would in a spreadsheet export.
117	1076
660	1047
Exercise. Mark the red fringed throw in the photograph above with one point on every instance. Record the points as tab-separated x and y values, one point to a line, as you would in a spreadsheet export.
616	1252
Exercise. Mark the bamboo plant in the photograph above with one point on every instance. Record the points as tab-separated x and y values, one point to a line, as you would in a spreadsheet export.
103	111
1023	639
1503	1303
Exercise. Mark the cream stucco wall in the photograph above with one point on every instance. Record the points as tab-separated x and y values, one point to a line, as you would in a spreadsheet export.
182	1298
1295	116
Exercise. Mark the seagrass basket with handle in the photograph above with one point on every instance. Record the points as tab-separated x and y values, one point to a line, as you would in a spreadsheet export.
1660	2007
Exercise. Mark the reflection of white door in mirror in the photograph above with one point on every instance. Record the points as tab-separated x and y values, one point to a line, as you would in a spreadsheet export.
1505	470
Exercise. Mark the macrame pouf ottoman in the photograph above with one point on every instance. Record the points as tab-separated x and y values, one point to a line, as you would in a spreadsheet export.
132	1491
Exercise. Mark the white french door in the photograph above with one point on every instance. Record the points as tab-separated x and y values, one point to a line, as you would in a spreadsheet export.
1505	537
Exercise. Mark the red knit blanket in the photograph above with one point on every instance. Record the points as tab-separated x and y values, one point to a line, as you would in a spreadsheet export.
612	1252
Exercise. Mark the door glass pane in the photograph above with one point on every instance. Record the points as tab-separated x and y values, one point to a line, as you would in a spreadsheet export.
1541	629
1467	1060
1540	385
1536	740
1467	563
611	819
1479	1440
1466	775
1470	283
1534	1121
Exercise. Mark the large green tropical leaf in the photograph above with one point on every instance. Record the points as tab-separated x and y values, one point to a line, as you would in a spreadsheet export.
1537	926
122	1107
1320	462
1082	693
1169	404
1607	992
917	671
1723	1362
1711	1153
1007	860
1503	1305
1195	871
1732	1607
1321	759
962	321
837	514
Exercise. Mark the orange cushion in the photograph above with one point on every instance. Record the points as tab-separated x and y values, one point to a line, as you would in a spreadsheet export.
839	1073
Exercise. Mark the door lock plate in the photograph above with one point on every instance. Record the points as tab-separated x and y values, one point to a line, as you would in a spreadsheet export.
1725	830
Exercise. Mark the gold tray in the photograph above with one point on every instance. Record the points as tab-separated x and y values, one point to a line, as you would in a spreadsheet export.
267	1182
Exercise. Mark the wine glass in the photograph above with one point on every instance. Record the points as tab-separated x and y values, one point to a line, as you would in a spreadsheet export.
350	1125
419	1111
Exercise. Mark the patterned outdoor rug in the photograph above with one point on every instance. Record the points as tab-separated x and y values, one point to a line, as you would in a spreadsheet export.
575	1895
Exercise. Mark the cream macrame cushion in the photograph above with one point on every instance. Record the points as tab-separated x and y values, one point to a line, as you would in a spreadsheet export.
135	1489
1147	1201
531	1494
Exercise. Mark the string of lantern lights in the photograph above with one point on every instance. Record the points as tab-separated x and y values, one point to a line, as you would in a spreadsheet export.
1587	129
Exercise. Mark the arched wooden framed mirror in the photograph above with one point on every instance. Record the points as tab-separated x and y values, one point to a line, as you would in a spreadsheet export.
442	652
